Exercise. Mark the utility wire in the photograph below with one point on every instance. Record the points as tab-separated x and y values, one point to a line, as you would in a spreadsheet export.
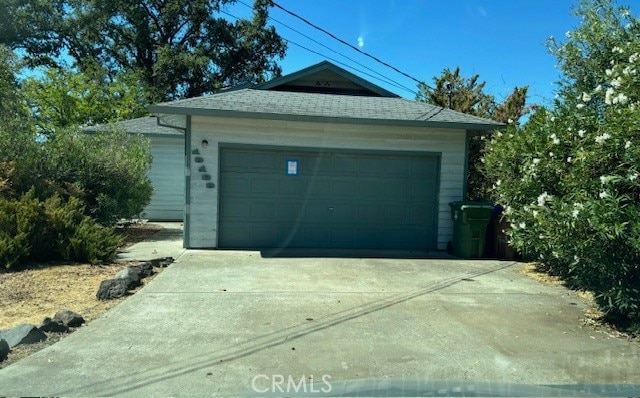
386	79
391	82
348	44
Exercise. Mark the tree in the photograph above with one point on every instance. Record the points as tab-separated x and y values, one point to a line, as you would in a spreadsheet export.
178	48
569	178
62	98
466	95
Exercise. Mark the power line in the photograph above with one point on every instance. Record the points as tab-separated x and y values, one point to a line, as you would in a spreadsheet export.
348	44
386	79
397	85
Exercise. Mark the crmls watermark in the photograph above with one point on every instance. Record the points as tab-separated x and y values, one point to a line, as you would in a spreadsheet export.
263	383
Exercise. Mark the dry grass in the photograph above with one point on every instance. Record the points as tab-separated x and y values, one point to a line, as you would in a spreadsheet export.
29	294
533	271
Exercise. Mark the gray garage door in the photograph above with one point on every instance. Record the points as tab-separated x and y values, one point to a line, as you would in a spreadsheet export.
327	199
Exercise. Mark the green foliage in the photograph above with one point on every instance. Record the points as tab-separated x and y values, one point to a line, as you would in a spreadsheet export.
31	229
454	91
177	48
62	99
108	172
569	176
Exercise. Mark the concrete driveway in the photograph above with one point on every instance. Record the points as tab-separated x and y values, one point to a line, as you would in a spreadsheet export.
226	323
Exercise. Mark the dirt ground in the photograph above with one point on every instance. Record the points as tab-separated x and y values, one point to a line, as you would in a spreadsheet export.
29	295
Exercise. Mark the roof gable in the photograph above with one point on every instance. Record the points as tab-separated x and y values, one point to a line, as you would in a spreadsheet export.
325	78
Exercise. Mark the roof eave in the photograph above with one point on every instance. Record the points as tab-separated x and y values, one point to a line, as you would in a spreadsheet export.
156	109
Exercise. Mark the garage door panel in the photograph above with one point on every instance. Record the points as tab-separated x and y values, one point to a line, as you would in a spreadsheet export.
398	166
235	184
421	189
316	237
369	165
344	188
264	186
291	186
371	189
344	212
345	165
338	199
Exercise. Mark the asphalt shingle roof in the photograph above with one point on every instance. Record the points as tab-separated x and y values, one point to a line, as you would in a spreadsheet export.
141	125
319	105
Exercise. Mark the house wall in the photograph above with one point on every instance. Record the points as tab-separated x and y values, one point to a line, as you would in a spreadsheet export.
203	201
167	176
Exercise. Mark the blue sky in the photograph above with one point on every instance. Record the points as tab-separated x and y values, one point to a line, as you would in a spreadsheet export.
502	41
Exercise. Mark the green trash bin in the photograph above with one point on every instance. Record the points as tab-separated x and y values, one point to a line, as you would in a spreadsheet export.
470	220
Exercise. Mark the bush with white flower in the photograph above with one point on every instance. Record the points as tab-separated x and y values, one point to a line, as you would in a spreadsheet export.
569	176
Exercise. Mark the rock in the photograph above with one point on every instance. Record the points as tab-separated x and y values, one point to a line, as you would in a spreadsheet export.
113	288
162	262
51	325
23	334
131	275
69	318
4	349
145	269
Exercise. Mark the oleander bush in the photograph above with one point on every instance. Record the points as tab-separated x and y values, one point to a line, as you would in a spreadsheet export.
569	177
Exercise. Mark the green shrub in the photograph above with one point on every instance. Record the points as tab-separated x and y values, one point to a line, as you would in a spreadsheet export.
569	178
51	230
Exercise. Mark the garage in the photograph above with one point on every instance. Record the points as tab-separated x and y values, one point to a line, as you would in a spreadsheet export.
320	159
327	198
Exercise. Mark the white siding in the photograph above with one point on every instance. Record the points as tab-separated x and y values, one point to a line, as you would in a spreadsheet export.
167	178
204	201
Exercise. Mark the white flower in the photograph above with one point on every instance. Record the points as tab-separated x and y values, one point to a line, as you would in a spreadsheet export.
604	179
498	134
522	225
569	159
543	198
482	160
552	118
627	145
550	154
617	82
580	106
608	96
535	213
608	72
602	138
621	99
555	139
586	97
510	121
617	49
575	213
536	161
576	258
603	194
581	133
578	205
634	57
598	88
498	183
633	177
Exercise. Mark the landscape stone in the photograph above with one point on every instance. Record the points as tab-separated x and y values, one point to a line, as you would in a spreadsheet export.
23	334
4	350
131	275
113	288
145	269
162	262
69	318
51	325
